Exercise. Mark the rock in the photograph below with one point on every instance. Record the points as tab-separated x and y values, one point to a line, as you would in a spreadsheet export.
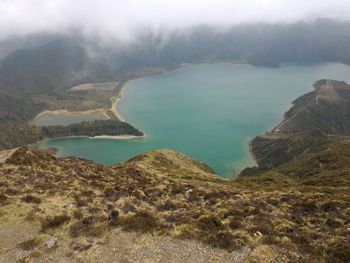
258	234
82	245
189	191
51	242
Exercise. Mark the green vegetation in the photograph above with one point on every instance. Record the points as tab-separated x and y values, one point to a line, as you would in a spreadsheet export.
53	222
15	135
91	128
88	102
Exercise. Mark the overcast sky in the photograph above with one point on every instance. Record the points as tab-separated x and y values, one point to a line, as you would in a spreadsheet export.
119	16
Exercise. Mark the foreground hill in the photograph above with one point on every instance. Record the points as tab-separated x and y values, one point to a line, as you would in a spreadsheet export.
74	210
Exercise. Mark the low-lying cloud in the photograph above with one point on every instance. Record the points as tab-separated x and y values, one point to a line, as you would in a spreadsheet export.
120	17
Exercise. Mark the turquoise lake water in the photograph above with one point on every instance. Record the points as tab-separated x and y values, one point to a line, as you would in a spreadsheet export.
209	112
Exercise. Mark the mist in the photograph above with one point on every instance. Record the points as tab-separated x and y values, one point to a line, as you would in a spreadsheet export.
120	19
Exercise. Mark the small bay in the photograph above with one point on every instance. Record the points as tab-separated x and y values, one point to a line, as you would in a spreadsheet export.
208	111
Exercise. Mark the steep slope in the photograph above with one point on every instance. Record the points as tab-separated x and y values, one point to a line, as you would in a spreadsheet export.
15	110
69	208
15	106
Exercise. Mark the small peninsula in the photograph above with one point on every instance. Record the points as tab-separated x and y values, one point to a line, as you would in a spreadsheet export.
316	119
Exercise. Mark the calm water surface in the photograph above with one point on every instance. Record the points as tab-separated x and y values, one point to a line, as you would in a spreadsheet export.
209	112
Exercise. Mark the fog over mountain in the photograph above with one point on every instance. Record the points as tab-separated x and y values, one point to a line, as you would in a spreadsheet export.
121	18
46	47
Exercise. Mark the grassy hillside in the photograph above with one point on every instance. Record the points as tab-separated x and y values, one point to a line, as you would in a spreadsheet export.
267	218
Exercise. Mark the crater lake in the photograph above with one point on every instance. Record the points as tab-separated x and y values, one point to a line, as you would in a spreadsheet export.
209	112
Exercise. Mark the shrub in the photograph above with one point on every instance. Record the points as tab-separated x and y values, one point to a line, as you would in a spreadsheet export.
262	254
109	191
178	219
234	224
261	227
209	223
30	216
31	199
27	244
225	240
338	253
77	214
12	191
128	207
308	207
141	222
77	228
86	228
332	223
54	221
166	206
3	198
329	207
113	217
80	202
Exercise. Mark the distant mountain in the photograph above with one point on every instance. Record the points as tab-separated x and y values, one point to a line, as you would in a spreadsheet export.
72	57
31	41
46	69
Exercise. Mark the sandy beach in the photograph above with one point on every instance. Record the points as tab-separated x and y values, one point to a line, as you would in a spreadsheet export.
115	104
118	137
70	113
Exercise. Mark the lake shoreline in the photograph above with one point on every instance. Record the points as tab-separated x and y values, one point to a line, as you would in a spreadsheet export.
98	137
118	137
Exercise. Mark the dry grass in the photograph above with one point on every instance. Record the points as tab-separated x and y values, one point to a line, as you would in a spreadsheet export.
167	193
